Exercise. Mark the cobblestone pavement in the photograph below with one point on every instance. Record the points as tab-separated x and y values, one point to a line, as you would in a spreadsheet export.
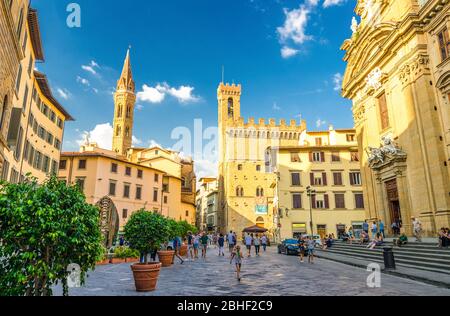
270	274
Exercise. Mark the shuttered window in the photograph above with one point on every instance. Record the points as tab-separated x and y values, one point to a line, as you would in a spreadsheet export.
339	200
444	43
384	114
296	201
337	178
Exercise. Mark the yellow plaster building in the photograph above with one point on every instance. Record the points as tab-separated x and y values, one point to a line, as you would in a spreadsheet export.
36	123
398	77
327	161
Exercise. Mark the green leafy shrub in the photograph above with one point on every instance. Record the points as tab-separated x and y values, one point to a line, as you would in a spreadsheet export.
146	231
43	229
124	252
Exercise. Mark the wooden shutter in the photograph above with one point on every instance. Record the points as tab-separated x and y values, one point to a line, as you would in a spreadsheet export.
310	157
384	114
322	157
327	201
352	180
324	179
313	201
312	178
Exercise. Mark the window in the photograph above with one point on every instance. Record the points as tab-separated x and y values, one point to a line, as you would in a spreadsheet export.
140	174
156	177
355	178
49	138
239	167
14	176
41	132
25	40
339	200
5	170
350	138
18	148
57	144
30	65
54	170
296	201
82	164
258	168
138	193
335	157
317	157
165	200
187	213
444	43
52	116
295	179
359	201
25	99
112	188
155	195
46	164
45	109
128	171
114	168
26	150
63	164
318	179
3	111
124	213
37	160
321	202
239	191
59	122
20	23
337	178
230	107
354	156
126	191
80	183
18	79
384	114
295	157
259	192
318	141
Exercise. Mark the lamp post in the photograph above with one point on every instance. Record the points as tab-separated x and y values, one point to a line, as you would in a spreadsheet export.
311	192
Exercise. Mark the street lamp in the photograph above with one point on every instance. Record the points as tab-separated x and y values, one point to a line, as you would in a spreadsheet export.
311	192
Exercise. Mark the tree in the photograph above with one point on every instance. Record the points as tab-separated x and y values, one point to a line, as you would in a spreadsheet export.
186	227
146	231
175	229
44	229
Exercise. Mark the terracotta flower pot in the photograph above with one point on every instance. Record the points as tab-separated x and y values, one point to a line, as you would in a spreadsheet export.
133	260
118	260
103	262
166	257
183	250
146	276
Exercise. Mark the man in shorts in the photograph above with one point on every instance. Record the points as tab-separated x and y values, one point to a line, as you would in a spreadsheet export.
204	242
310	243
231	241
248	244
190	244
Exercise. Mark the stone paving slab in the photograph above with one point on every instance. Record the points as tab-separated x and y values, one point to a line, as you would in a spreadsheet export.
270	274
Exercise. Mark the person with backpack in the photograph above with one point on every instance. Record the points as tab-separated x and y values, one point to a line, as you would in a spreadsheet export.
221	243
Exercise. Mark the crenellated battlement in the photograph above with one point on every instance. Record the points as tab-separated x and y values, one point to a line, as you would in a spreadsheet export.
263	124
229	90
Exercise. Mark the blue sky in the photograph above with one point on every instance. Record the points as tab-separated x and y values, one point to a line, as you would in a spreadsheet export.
285	53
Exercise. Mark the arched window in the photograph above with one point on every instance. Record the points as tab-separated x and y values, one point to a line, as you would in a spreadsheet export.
129	112
240	191
119	111
260	222
118	131
230	107
259	192
3	107
127	132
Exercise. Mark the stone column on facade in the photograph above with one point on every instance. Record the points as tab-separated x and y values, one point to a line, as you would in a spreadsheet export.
405	205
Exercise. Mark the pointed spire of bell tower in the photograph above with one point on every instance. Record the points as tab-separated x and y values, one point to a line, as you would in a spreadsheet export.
126	81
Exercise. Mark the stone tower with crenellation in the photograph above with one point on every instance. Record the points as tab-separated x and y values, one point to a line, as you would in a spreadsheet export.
124	100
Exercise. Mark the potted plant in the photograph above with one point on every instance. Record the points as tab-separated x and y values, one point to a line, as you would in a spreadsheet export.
104	257
120	255
167	254
132	255
146	231
185	228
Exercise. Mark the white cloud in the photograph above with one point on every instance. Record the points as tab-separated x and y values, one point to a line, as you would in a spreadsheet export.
102	134
206	168
275	107
320	123
139	107
151	94
94	64
95	90
287	52
337	81
330	3
63	93
136	141
153	143
83	81
294	27
89	69
184	94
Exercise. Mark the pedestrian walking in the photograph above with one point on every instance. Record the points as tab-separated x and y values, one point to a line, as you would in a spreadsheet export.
351	235
417	227
204	243
301	248
248	243
311	245
231	242
177	247
221	243
196	245
190	245
395	228
236	257
366	227
374	230
257	244
264	242
381	228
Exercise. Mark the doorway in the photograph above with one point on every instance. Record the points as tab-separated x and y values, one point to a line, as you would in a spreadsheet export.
322	231
394	202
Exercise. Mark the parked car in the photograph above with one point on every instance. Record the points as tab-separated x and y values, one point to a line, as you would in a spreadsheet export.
288	247
317	239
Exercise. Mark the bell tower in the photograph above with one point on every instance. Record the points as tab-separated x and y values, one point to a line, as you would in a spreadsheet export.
124	100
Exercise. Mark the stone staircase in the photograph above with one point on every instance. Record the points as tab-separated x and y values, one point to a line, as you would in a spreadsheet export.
421	256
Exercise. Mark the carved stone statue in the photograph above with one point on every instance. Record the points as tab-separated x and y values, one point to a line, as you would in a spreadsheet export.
376	156
388	151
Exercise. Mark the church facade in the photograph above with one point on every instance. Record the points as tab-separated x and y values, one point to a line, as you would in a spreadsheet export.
398	77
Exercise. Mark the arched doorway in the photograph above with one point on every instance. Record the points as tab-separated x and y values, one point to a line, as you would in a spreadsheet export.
260	222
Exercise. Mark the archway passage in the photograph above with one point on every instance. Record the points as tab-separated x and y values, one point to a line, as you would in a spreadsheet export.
260	222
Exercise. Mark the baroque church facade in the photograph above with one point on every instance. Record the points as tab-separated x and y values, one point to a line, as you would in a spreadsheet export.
398	77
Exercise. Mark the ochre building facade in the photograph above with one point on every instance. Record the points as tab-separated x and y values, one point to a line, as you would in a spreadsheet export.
398	77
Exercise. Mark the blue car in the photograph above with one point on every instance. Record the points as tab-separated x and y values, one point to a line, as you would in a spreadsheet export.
289	247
